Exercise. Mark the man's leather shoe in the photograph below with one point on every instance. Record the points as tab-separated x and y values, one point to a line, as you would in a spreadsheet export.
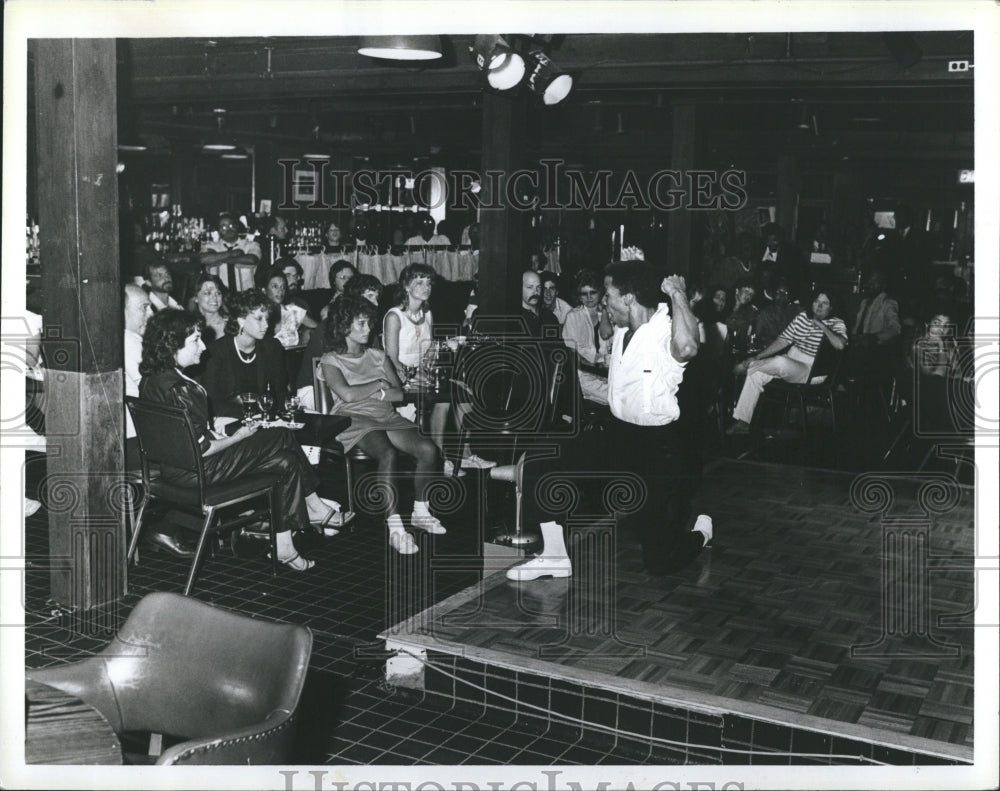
157	541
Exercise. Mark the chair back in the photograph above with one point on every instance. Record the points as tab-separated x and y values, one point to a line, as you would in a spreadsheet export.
322	397
228	684
166	439
826	363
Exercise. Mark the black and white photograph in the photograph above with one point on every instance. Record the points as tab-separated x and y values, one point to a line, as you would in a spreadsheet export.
500	395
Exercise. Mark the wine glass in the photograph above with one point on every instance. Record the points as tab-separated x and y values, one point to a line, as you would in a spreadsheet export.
291	408
266	401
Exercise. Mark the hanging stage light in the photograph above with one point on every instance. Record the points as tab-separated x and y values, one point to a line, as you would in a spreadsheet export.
547	80
401	47
504	68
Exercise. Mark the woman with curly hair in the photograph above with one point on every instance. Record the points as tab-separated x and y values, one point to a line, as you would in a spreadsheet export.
244	360
364	385
172	342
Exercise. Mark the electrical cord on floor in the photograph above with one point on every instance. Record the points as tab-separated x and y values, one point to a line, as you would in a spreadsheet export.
639	737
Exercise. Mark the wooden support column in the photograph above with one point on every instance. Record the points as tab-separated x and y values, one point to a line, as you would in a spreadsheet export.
787	195
78	212
680	222
501	242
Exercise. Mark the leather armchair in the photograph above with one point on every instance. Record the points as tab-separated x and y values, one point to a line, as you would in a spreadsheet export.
226	684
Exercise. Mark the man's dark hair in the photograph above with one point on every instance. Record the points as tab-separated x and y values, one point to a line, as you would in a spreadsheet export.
287	261
637	278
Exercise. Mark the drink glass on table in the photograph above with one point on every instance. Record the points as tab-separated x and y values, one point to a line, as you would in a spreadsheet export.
292	408
266	401
250	407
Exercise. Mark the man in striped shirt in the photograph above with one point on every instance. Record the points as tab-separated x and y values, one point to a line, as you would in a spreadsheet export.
789	357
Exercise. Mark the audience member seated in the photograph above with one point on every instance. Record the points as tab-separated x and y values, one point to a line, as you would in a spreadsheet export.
550	296
582	332
541	322
426	236
274	247
341	272
364	386
138	311
740	322
294	277
172	343
875	335
789	357
366	287
208	302
231	248
160	285
244	360
407	336
713	335
786	259
289	322
332	240
741	265
774	315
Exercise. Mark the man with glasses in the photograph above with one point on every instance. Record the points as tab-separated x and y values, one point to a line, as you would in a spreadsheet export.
587	330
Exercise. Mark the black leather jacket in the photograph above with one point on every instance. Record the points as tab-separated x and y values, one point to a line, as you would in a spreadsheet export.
172	389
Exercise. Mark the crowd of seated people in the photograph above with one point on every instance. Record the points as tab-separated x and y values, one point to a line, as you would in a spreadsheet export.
752	327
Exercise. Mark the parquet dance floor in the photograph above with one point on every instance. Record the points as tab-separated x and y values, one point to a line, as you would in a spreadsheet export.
830	602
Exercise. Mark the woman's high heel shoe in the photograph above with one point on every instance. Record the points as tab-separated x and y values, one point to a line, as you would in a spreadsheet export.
297	563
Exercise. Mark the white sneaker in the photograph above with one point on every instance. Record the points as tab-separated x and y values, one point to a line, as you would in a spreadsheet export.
428	523
477	462
402	542
505	472
540	566
449	468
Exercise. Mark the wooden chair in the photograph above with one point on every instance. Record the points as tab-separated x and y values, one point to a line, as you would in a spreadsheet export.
167	439
226	685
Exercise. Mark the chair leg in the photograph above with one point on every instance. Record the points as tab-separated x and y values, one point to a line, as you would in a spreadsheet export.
272	502
209	515
134	542
348	469
802	416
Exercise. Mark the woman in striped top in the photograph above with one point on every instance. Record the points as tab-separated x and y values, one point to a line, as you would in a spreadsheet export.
789	357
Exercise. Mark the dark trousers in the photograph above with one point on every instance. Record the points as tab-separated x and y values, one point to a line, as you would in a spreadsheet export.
647	475
268	451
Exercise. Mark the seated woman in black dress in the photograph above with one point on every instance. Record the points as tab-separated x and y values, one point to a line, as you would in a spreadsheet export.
244	360
364	385
172	342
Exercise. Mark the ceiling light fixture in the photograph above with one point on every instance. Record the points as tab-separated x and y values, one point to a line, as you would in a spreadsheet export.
401	47
217	142
548	80
504	68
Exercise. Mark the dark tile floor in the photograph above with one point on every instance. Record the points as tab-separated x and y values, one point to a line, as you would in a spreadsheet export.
358	589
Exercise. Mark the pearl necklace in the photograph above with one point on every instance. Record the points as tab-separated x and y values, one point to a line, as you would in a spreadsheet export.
243	359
